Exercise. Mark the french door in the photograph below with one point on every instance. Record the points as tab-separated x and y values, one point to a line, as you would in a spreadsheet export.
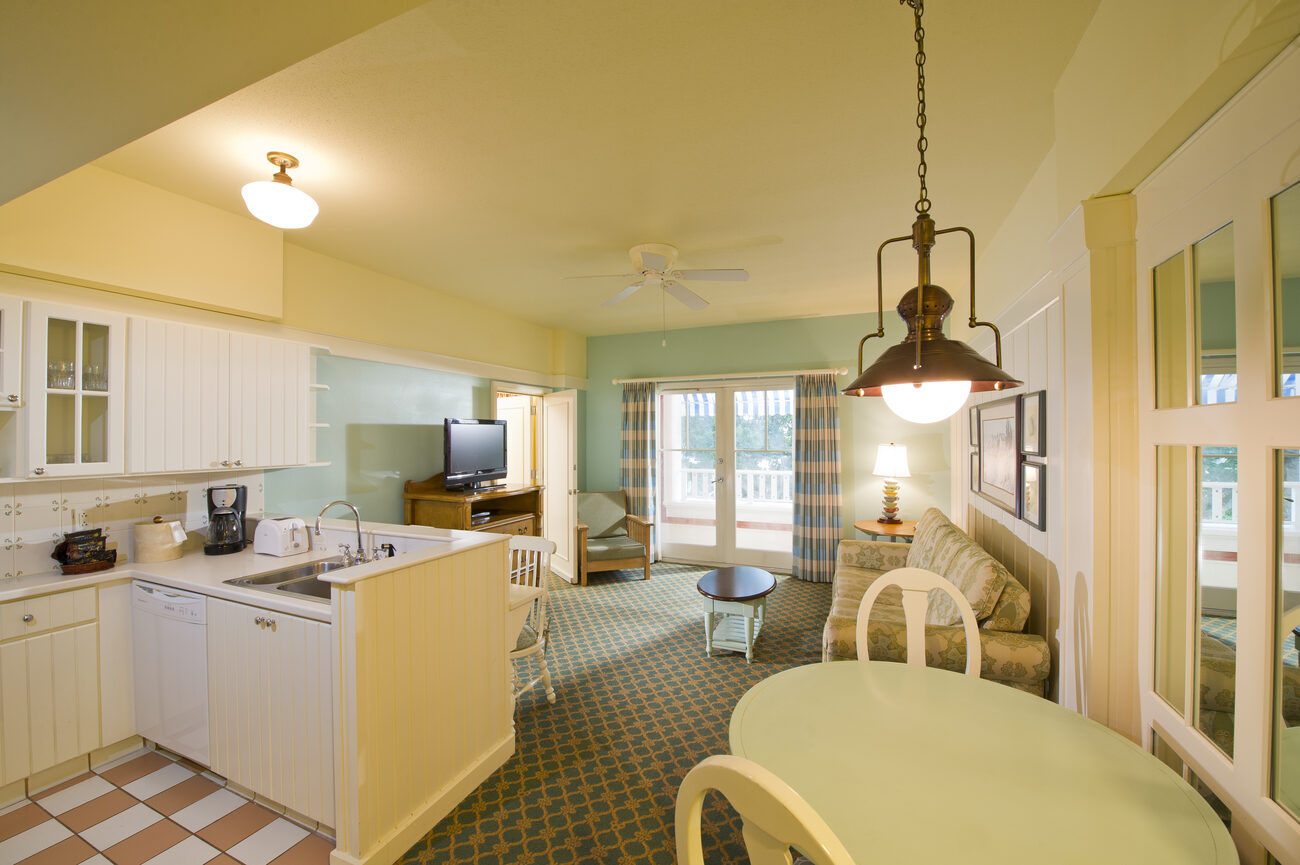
726	469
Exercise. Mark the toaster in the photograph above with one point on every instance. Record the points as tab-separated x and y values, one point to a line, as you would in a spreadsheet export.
281	537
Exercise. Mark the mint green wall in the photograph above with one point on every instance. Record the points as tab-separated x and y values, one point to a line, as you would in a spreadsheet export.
806	343
385	429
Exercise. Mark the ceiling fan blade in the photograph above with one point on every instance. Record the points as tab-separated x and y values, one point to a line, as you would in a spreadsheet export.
720	274
605	276
653	261
685	295
624	294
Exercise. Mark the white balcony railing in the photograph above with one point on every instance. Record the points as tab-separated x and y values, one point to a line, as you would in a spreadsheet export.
1219	503
752	485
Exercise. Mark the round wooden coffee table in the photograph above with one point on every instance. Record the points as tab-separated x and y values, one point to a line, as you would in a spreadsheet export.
738	597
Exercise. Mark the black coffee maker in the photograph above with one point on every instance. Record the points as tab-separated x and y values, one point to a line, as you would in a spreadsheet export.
226	507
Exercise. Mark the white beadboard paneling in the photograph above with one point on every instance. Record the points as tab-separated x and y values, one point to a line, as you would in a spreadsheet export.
116	674
394	680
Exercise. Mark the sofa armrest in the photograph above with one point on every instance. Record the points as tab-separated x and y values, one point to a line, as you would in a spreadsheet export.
877	555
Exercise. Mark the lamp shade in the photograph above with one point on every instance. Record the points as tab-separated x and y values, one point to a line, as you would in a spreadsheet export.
891	461
277	203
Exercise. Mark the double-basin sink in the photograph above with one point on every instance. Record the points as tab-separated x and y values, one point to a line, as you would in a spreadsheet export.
297	580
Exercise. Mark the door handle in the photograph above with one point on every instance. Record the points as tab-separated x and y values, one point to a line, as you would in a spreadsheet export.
718	480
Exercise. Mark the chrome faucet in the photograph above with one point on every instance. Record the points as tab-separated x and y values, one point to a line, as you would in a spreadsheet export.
361	549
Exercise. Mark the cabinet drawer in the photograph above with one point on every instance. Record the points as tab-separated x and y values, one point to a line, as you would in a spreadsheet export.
47	612
525	525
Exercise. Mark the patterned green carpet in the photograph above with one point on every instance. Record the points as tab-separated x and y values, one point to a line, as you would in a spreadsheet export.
594	777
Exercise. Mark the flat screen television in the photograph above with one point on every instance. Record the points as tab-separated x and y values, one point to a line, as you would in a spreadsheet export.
473	451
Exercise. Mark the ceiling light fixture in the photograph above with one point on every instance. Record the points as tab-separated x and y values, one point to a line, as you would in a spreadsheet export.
277	201
927	376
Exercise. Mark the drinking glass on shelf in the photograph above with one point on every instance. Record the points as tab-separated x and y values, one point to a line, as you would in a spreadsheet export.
93	378
60	374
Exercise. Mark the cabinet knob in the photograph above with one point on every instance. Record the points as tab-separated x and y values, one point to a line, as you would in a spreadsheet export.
13	397
260	620
225	463
239	463
270	623
28	618
39	470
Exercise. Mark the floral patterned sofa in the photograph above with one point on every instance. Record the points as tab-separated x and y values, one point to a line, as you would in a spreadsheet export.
1001	604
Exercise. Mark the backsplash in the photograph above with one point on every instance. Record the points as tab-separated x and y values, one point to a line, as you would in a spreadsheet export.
34	515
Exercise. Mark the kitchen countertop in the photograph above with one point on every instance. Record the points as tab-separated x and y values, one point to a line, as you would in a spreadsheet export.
206	575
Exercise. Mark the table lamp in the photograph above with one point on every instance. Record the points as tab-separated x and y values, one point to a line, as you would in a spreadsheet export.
891	464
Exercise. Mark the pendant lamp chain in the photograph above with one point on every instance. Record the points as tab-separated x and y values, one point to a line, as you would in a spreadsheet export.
923	202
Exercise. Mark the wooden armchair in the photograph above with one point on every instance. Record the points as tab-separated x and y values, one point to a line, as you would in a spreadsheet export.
609	538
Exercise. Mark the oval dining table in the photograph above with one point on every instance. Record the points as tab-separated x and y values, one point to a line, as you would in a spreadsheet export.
914	764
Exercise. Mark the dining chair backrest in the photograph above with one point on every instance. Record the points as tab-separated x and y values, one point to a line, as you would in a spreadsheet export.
530	560
917	583
774	817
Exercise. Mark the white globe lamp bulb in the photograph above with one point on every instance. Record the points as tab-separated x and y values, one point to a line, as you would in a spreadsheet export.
926	402
276	201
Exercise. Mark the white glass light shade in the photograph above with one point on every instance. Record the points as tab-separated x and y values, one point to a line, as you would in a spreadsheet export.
280	204
891	461
928	402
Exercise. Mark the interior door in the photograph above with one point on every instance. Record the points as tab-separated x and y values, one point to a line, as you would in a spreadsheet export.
727	474
560	476
517	411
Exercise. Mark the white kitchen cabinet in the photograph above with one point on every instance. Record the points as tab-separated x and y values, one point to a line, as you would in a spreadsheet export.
203	398
270	702
76	387
49	700
11	352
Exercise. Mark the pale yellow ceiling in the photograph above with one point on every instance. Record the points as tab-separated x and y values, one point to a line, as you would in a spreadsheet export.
489	149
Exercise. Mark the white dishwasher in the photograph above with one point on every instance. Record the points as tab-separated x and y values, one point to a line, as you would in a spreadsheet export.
170	647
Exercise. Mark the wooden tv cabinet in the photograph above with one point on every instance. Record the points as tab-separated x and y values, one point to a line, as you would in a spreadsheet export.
515	510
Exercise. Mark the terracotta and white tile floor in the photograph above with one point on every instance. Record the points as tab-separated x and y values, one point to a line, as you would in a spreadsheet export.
147	809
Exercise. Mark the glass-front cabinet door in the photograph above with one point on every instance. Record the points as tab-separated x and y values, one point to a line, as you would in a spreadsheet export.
75	389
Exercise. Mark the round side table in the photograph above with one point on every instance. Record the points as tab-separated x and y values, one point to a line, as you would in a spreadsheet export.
738	597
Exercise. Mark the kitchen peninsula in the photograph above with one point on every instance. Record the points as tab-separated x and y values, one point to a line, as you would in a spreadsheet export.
370	716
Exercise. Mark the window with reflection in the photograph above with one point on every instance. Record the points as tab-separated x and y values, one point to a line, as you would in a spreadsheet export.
1286	682
1216	584
1216	318
1286	285
1169	290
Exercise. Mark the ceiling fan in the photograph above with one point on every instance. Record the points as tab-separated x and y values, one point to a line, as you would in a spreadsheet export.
654	263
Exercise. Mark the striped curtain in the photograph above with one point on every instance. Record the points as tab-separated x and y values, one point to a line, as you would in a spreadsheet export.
816	476
636	464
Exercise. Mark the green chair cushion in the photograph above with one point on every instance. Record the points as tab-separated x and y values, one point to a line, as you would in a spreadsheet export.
620	547
605	514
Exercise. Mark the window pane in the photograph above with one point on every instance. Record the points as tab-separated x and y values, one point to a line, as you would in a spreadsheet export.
1169	289
1286	280
1216	578
1175	539
1216	315
1286	726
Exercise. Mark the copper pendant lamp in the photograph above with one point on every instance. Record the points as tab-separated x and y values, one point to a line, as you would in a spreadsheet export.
927	376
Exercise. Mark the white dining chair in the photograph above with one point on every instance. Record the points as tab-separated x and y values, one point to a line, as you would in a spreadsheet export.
530	563
773	816
917	583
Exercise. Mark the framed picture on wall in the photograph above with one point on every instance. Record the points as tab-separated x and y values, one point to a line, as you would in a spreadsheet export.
974	426
1033	414
975	471
1033	504
999	460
